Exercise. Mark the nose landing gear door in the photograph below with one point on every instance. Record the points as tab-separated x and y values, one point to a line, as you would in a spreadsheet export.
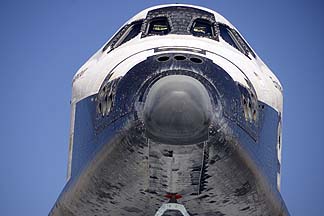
173	209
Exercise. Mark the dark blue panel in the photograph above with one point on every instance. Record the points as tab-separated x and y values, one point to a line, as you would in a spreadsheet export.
83	141
264	151
86	141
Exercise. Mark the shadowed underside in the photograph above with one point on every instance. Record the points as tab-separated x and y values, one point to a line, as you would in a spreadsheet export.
211	177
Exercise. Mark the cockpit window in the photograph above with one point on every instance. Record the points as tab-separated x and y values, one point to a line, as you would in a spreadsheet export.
244	44
202	28
159	26
132	31
232	37
227	35
127	33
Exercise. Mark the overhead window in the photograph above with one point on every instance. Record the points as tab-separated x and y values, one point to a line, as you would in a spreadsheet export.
227	35
202	28
159	26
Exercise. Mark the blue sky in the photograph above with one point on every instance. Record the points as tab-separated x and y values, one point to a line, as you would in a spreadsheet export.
44	42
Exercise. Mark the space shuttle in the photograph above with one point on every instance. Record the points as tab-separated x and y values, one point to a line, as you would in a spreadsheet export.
175	115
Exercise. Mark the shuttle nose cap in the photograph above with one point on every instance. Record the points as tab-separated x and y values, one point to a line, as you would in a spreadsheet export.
177	110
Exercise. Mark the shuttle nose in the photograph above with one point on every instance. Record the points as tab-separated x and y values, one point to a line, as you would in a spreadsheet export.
177	110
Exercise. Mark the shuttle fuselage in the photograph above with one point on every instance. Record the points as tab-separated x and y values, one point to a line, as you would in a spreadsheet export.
175	115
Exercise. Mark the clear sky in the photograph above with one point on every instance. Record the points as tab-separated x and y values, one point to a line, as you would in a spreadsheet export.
44	42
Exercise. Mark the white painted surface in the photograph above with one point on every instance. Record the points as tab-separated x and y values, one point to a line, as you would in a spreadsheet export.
90	76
